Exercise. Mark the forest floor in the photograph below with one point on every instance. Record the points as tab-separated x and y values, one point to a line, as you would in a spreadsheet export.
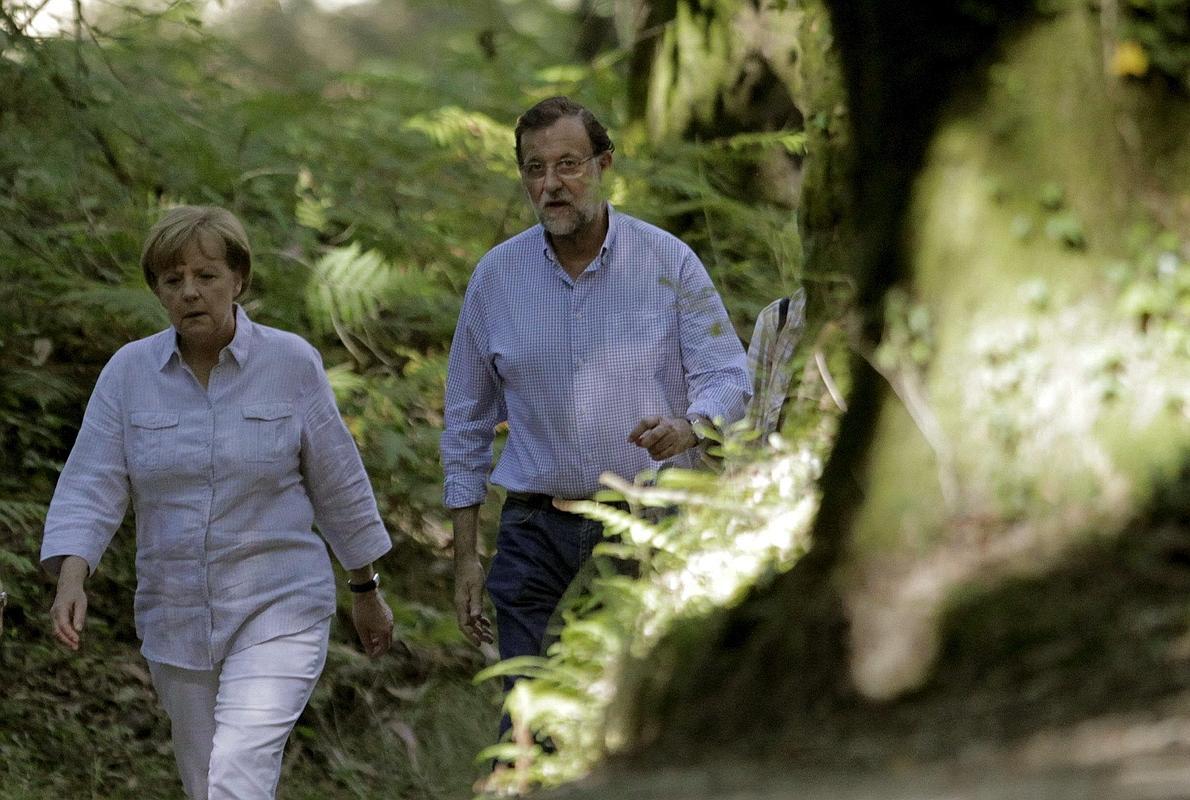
1072	684
1164	777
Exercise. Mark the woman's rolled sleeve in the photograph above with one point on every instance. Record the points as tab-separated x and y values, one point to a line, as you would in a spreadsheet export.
92	492
340	492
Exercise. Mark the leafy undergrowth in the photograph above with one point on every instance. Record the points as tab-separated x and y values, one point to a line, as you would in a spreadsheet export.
370	157
1071	682
407	725
696	542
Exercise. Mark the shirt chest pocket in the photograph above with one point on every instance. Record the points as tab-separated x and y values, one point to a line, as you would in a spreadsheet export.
268	432
155	440
640	338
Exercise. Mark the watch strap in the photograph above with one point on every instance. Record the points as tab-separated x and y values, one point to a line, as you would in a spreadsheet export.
368	586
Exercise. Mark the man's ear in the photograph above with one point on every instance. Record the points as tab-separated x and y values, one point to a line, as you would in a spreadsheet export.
605	160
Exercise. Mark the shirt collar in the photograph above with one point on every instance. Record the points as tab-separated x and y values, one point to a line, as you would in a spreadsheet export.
609	239
239	346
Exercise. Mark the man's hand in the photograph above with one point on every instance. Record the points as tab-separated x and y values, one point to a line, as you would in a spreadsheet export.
69	611
373	622
663	437
469	600
469	576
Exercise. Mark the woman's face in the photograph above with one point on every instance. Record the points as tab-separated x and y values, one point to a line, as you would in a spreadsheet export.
199	292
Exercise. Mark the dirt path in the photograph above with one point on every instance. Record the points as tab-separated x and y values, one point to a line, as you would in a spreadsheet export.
1139	754
1159	778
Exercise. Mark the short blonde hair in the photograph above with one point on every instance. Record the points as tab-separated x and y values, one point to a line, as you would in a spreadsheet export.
182	225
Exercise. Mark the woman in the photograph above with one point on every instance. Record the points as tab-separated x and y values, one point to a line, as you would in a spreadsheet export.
225	435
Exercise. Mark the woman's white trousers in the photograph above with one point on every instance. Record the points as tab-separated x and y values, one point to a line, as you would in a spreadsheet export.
230	723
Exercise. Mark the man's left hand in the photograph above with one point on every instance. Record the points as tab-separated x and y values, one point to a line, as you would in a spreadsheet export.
663	437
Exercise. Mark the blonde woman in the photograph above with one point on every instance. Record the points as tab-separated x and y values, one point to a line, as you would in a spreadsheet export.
225	436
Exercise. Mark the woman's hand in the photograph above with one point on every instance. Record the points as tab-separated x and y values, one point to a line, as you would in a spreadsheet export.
373	622
69	611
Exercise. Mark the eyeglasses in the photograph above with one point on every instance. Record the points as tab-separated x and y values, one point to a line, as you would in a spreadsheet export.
563	168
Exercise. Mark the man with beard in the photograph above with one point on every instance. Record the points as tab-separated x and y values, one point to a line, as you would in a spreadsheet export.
601	341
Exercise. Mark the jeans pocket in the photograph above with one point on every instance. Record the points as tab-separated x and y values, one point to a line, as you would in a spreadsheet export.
154	442
514	513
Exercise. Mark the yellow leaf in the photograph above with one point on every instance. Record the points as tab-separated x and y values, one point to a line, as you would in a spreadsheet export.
1130	60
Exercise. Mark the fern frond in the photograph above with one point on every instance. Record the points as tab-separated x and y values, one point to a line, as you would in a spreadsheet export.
632	528
345	381
348	288
794	142
361	293
37	385
21	517
467	132
133	305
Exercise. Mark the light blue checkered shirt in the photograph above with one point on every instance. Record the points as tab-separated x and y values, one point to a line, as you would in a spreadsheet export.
226	484
574	365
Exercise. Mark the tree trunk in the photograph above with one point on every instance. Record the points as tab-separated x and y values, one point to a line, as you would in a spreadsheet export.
1001	549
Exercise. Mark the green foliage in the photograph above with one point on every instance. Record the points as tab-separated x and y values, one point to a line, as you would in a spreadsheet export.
371	177
731	532
1154	286
20	518
1162	28
696	188
349	287
364	231
1066	229
908	337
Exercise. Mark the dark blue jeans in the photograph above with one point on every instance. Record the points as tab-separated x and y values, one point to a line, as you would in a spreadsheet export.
539	551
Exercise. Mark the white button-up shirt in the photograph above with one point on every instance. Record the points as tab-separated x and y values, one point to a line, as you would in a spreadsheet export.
574	364
226	484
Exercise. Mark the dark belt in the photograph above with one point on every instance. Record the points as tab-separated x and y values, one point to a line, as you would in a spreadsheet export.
533	500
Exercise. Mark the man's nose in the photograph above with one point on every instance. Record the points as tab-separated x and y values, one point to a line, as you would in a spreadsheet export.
551	180
189	288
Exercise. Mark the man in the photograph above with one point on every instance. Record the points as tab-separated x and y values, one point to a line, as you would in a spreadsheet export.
601	341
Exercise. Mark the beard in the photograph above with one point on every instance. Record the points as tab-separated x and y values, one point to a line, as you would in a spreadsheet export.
566	220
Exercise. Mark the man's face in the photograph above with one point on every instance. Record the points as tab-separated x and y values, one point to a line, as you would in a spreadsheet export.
564	205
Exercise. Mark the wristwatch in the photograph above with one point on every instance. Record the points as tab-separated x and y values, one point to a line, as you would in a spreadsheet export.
697	427
364	588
